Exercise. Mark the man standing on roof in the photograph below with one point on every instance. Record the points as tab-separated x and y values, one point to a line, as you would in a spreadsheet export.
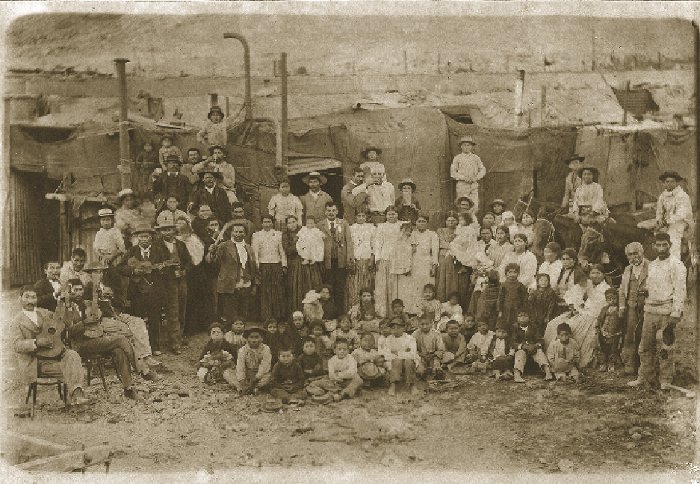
467	169
315	200
674	212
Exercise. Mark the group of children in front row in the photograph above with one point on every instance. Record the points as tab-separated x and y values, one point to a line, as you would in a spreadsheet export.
306	360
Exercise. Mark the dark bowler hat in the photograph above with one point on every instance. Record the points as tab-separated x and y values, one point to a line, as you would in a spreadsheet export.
670	174
215	109
366	151
173	159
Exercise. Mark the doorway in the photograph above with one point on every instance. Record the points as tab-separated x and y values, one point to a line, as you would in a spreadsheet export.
332	187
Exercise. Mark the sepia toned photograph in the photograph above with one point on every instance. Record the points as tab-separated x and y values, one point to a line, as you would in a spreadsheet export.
349	241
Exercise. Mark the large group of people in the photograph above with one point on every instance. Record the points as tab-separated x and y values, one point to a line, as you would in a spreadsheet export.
303	303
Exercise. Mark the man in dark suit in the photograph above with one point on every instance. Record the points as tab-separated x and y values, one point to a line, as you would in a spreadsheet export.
338	255
48	289
146	287
238	275
347	198
175	285
210	193
172	183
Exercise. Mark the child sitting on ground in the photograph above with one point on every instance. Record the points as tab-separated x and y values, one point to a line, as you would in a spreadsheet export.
364	317
253	364
310	243
384	332
398	311
298	331
501	353
431	350
309	360
563	354
467	327
371	366
528	344
430	308
345	331
324	348
400	352
287	380
217	358
272	339
343	380
478	348
609	330
455	346
235	335
450	311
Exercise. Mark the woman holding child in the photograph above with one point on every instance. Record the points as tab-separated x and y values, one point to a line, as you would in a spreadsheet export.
585	304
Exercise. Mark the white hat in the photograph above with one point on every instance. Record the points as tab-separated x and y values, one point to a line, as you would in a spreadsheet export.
125	192
105	212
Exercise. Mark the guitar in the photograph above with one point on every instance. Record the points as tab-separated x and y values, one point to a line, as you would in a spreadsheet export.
52	331
143	268
93	315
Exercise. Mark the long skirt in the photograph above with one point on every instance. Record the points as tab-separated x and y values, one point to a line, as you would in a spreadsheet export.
449	280
419	277
309	278
403	286
583	329
271	291
363	278
383	294
294	284
201	299
441	282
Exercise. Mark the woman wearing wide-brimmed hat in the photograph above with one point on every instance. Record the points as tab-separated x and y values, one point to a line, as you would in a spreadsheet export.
467	169
314	201
589	193
406	204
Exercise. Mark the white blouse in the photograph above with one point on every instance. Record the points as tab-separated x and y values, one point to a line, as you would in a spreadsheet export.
362	238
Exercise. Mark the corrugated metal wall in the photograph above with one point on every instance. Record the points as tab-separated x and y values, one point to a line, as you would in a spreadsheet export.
21	229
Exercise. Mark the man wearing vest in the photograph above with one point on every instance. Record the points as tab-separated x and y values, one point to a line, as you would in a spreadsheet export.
632	296
662	312
338	254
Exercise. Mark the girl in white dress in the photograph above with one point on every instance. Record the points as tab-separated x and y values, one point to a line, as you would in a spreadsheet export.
363	277
385	236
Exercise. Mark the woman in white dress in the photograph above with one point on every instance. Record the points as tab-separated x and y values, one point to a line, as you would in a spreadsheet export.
586	304
385	237
363	276
425	262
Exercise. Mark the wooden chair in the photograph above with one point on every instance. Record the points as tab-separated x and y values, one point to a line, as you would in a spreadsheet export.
45	380
96	362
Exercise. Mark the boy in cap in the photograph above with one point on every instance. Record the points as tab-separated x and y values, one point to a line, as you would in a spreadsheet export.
171	183
109	241
501	352
674	211
467	169
254	363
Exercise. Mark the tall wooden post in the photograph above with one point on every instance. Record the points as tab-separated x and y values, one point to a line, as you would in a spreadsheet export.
124	156
283	114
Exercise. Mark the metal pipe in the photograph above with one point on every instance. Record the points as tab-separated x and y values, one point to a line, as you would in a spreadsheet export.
213	99
124	156
283	119
246	60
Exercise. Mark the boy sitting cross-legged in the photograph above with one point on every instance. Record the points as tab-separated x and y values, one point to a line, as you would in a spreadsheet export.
343	380
287	378
371	365
253	364
399	350
528	346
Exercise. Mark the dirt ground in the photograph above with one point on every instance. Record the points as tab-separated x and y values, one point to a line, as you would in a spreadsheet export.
470	424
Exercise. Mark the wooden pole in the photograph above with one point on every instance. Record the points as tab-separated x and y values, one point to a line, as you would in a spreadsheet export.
284	114
624	114
543	106
405	62
124	156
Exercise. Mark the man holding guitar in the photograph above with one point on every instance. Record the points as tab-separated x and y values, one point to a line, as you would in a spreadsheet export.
36	338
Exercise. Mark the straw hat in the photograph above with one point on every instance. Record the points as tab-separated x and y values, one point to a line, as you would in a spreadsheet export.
173	159
314	174
164	226
368	370
670	174
460	199
142	229
125	193
254	329
409	182
467	139
574	157
105	212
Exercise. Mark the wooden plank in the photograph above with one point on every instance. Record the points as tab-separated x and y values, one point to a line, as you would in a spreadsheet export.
66	462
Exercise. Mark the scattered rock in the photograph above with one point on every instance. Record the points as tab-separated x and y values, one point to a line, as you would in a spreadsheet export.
391	460
636	436
565	465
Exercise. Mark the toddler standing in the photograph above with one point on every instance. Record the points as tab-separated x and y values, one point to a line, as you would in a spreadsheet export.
609	329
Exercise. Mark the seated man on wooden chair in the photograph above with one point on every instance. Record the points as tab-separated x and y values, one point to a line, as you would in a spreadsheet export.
87	336
33	333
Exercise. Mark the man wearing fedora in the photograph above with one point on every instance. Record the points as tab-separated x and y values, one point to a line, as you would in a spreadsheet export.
171	183
175	284
145	289
347	198
573	180
314	201
674	212
211	194
338	253
467	169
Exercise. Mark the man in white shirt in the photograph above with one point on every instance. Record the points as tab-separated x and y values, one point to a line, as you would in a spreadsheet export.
674	212
467	169
380	193
662	311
